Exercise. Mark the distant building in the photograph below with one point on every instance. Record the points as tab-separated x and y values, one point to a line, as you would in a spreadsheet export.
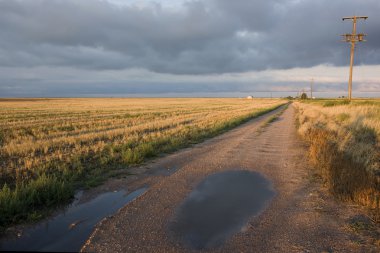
249	97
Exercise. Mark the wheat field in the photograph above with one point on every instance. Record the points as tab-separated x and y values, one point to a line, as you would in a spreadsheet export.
52	146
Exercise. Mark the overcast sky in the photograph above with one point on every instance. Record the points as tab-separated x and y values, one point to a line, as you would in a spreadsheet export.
184	48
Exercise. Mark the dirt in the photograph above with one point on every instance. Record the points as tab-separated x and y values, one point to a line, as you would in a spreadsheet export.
302	217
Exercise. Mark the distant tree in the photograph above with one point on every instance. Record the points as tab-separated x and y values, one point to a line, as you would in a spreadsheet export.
304	96
289	98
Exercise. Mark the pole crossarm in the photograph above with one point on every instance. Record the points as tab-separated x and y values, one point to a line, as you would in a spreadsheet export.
355	17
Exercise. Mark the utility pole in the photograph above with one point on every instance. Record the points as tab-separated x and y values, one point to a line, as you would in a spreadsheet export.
311	88
353	38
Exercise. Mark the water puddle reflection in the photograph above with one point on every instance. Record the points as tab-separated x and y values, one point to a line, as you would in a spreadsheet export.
219	207
67	232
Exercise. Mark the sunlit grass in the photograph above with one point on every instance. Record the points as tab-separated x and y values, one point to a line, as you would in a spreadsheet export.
344	146
58	145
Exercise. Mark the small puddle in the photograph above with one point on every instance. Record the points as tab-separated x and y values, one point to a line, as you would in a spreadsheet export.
219	207
67	232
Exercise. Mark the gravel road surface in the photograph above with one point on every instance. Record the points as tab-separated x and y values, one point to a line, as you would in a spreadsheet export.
302	216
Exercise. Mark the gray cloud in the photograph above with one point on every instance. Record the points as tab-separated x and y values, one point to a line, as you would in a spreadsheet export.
196	48
202	37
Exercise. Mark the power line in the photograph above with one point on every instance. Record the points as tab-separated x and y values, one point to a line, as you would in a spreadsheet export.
311	88
353	38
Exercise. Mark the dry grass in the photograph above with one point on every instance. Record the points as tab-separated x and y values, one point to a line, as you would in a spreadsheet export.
77	141
344	147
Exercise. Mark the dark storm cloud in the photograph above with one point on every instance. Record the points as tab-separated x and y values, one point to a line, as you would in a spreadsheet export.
203	37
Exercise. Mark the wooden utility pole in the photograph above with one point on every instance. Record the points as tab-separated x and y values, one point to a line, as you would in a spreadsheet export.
353	38
311	88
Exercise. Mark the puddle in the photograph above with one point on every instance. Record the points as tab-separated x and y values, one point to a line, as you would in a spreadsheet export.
67	232
219	207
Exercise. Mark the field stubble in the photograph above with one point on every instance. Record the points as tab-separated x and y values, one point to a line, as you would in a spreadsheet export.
51	147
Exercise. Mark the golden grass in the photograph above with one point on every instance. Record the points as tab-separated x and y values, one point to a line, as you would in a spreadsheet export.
35	132
344	146
78	140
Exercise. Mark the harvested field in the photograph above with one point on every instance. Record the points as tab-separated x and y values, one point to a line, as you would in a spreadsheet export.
51	147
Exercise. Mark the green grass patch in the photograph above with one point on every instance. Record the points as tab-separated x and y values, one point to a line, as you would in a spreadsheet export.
29	201
2	138
328	102
275	117
336	103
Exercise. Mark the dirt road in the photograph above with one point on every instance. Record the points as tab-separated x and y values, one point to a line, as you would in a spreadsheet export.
302	217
